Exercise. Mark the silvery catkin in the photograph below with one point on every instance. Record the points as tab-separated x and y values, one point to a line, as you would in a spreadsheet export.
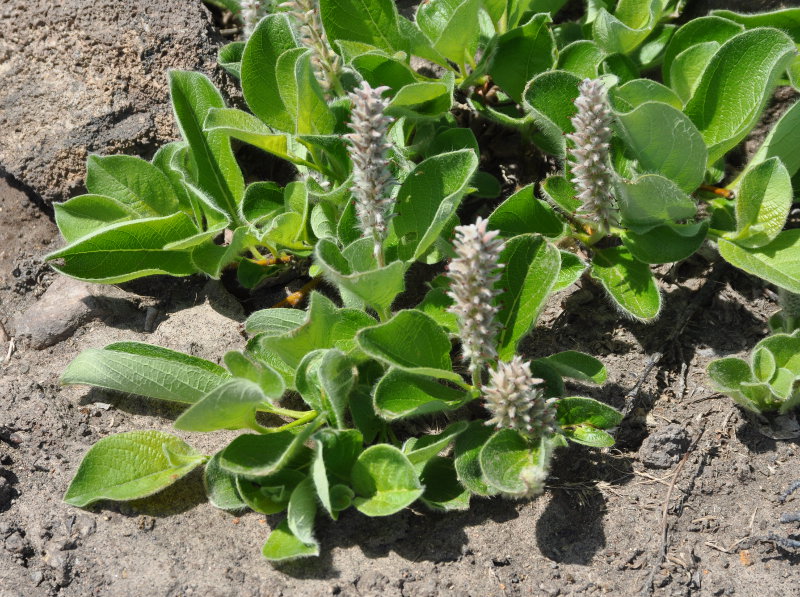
591	170
473	274
372	179
516	400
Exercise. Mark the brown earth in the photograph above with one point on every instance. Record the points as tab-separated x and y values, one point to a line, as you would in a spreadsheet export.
610	522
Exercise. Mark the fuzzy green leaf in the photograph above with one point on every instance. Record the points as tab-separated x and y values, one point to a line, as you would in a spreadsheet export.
629	282
531	267
131	465
514	464
412	342
401	395
146	370
777	262
384	480
666	142
736	85
283	546
762	204
127	250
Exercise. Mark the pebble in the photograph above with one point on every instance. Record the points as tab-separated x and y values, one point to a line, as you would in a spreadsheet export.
664	448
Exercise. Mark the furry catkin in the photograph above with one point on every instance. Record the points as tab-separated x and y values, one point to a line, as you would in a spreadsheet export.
591	170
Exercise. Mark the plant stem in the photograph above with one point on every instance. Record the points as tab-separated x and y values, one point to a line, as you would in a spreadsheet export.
476	378
301	421
285	412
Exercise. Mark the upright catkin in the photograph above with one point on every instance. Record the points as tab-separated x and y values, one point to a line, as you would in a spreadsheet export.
473	274
369	152
589	153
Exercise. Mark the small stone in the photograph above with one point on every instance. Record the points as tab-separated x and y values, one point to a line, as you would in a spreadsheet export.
15	543
36	577
664	448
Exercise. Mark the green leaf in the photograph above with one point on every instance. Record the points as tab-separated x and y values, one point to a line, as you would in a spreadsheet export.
666	244
420	101
272	37
514	464
736	85
522	213
785	350
550	97
777	262
530	269
401	395
689	66
128	250
135	183
302	95
379	68
631	23
131	465
275	321
451	26
263	455
303	511
85	214
246	127
639	91
787	19
412	342
651	200
578	365
428	198
729	373
442	490
561	192
466	453
421	449
665	141
578	410
571	270
151	371
384	481
763	364
581	58
214	164
763	202
229	58
373	22
628	282
335	453
589	436
697	31
337	375
781	142
231	405
650	54
325	326
221	487
271	494
376	286
283	546
522	53
435	305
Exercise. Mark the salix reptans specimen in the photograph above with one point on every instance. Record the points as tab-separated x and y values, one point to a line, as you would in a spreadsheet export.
326	63
372	179
515	398
591	169
252	11
473	274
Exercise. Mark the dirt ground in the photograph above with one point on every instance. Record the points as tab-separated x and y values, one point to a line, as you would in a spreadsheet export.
684	504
